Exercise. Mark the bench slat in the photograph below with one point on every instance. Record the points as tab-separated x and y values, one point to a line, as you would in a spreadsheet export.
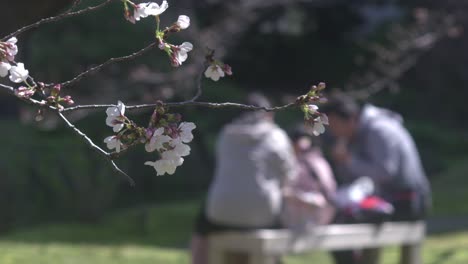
331	237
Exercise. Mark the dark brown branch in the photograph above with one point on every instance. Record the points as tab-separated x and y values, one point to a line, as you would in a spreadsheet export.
55	18
96	148
110	61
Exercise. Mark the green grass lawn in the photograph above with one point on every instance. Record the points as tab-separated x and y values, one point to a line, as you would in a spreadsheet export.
160	234
37	246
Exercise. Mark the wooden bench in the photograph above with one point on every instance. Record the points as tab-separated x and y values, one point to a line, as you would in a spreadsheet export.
265	246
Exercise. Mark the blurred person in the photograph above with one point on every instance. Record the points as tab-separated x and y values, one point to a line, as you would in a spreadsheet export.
372	141
254	160
310	195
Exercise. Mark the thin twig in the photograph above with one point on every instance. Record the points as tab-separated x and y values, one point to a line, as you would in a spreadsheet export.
84	136
10	89
110	61
183	104
75	3
55	18
116	168
199	84
96	148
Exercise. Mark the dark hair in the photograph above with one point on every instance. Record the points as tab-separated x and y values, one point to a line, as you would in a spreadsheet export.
258	99
255	99
342	105
301	130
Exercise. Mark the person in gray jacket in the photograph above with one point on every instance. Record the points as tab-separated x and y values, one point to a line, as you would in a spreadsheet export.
254	160
372	141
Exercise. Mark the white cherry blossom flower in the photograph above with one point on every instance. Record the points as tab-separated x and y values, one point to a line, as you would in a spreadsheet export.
157	140
165	165
11	48
149	9
18	73
312	109
179	149
154	9
324	119
113	142
180	53
116	116
214	72
183	22
138	12
167	155
185	131
4	68
318	127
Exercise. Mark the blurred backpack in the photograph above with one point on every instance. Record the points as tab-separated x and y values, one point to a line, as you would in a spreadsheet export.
358	203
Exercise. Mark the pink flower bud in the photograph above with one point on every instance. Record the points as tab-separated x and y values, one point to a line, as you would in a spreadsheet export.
24	92
321	86
227	69
129	17
68	100
51	99
57	88
149	133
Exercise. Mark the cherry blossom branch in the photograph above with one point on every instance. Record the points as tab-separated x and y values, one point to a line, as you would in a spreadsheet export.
166	133
108	62
11	90
56	18
96	148
184	104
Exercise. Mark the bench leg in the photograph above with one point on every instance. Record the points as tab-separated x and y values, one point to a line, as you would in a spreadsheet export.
263	259
370	255
411	254
216	256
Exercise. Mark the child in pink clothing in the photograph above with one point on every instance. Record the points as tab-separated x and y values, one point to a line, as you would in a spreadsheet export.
309	195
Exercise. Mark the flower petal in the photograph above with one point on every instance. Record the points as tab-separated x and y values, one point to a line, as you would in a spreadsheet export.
183	22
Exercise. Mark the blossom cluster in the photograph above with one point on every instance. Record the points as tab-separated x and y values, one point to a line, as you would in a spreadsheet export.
19	74
312	116
169	143
316	119
216	69
177	53
8	51
165	135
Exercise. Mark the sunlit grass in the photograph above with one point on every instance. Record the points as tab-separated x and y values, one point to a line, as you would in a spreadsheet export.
65	253
438	249
446	249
